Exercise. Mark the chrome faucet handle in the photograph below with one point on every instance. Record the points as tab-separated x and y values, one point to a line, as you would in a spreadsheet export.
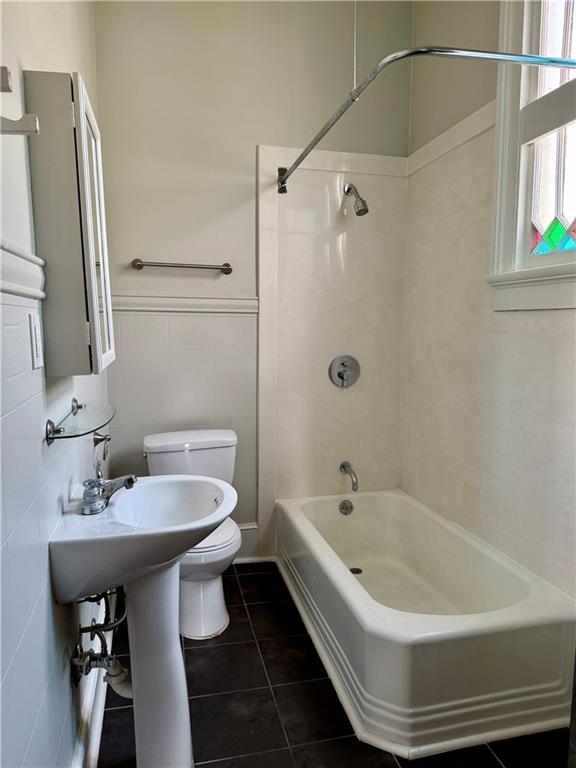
93	483
92	496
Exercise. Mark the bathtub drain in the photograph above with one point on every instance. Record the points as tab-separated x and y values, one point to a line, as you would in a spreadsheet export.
356	570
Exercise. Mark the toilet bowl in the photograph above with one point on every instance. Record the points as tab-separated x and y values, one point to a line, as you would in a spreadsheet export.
208	452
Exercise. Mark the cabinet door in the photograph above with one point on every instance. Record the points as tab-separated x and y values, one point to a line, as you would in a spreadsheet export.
91	188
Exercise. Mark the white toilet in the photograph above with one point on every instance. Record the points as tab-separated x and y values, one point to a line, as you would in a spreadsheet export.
208	452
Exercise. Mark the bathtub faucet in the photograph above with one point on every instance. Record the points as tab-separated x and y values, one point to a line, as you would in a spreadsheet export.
346	468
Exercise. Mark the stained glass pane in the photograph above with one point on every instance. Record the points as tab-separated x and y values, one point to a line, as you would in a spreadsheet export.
569	241
568	244
542	248
555	233
553	193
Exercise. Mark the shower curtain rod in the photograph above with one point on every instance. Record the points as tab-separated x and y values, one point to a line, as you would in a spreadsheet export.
456	53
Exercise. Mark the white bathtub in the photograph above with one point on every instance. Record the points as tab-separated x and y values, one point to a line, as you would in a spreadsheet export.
442	641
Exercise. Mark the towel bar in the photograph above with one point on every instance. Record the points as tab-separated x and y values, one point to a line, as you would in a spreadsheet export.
225	268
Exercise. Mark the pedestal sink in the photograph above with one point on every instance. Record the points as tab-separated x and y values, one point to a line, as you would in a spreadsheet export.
137	541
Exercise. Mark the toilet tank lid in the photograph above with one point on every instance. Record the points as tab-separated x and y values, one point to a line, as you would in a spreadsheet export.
189	440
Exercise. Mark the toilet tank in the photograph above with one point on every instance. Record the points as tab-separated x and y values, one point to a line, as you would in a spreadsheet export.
209	452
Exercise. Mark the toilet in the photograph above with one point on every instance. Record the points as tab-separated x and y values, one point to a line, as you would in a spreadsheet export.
211	453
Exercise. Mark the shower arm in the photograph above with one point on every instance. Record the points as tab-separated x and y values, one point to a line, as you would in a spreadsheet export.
439	51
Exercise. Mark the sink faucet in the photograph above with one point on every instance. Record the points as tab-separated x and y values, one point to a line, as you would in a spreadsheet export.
346	468
98	492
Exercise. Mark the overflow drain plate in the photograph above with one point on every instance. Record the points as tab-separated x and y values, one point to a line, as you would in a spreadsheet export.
356	571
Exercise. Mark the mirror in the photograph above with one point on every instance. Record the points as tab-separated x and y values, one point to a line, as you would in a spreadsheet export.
94	228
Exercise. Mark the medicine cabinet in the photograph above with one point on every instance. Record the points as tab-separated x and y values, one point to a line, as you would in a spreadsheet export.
70	224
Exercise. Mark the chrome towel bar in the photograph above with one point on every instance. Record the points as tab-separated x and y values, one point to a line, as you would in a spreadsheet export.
225	268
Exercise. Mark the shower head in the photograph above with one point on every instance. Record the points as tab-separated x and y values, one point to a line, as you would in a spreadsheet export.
360	205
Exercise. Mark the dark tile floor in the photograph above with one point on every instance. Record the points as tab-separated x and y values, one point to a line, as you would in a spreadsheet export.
260	698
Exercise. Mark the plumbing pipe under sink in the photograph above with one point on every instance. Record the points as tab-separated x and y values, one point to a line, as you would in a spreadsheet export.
118	678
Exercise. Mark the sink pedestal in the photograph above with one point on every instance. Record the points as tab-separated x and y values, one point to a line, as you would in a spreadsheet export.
161	711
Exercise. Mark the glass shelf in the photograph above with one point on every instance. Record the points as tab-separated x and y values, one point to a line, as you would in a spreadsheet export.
83	419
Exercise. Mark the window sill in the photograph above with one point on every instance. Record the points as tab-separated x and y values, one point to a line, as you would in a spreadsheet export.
551	287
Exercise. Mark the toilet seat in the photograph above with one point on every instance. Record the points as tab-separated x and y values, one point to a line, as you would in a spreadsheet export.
208	559
224	536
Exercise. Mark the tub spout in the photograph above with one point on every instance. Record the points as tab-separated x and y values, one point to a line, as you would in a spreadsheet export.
346	468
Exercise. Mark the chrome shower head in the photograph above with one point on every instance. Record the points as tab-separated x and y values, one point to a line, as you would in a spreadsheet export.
360	205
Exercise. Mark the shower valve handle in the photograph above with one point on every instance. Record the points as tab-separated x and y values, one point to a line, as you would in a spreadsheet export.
343	374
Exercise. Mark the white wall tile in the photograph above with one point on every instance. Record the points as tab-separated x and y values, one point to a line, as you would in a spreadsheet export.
211	372
145	331
47	732
145	369
191	332
235	400
143	407
234	332
20	381
236	368
22	468
192	407
37	637
245	484
24	558
25	681
192	369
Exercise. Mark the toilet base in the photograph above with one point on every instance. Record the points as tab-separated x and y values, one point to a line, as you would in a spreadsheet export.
203	612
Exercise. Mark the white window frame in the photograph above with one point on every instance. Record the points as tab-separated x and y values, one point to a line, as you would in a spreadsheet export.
552	286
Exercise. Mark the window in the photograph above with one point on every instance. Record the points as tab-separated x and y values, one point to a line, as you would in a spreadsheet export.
535	237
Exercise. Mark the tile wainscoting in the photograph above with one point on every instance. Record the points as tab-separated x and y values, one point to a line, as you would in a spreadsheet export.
184	370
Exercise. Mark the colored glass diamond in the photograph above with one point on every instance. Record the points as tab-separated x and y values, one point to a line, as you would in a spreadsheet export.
568	244
542	248
555	233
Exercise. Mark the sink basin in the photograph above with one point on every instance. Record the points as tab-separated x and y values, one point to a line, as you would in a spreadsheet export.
142	528
137	542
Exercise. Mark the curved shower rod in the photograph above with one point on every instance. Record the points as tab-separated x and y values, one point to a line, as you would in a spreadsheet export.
440	51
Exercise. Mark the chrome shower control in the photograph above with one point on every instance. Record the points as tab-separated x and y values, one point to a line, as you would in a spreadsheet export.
344	371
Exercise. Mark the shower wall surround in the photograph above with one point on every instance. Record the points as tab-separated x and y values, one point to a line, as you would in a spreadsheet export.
339	279
478	422
488	430
330	284
44	721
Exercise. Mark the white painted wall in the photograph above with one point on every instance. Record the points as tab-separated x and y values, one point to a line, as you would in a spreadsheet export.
444	91
488	430
41	714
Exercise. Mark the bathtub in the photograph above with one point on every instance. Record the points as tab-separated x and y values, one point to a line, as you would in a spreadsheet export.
441	641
